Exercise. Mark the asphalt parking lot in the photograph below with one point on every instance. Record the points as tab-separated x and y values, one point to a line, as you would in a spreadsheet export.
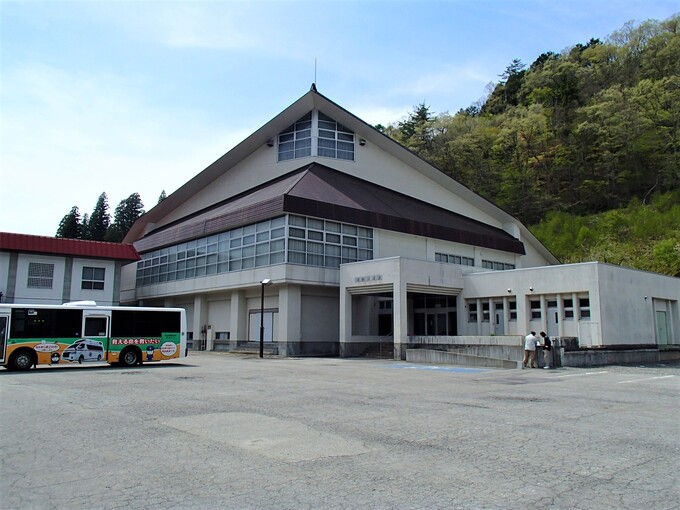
239	432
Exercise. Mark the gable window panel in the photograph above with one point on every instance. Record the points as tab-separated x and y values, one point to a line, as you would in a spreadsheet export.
318	132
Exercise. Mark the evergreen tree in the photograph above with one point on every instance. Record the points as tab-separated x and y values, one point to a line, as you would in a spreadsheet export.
127	212
99	222
162	197
70	226
85	227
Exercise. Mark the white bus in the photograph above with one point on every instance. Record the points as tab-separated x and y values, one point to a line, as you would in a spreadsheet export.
80	332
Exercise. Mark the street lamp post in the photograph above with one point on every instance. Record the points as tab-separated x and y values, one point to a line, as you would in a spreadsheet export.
266	282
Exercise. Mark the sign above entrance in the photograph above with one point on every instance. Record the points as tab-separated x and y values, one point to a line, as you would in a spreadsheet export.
369	278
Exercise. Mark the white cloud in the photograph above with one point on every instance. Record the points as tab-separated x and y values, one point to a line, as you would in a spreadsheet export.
66	138
195	26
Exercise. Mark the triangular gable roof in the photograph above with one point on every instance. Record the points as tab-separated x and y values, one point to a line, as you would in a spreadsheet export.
70	247
310	101
319	191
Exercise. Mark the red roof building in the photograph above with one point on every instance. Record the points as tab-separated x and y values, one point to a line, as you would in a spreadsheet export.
74	247
51	270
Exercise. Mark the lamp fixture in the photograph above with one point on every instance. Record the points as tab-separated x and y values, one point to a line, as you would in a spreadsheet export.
270	143
531	289
362	141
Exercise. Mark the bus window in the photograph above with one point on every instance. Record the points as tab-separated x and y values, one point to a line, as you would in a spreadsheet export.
46	323
95	326
128	323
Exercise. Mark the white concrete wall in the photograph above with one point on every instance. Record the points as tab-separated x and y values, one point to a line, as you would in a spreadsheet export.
627	304
320	316
394	244
23	294
619	312
219	313
62	289
385	170
101	297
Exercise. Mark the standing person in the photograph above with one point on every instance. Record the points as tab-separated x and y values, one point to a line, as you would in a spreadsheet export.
547	350
530	342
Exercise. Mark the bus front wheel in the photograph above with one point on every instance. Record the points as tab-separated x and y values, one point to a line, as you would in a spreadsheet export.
131	357
23	359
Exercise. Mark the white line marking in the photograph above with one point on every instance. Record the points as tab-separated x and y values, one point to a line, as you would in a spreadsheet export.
581	375
647	379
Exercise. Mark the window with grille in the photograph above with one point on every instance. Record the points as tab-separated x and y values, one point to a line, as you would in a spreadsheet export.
497	266
93	278
472	311
295	239
296	141
454	259
316	134
584	308
335	140
40	275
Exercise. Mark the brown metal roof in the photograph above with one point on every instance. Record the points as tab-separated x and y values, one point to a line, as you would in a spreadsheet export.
60	246
319	191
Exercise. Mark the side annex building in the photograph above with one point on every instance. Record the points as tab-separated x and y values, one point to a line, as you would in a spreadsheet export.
370	249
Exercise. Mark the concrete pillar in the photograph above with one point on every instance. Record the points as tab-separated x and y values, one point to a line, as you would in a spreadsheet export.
544	314
506	315
290	313
523	313
400	318
492	316
238	319
345	322
201	318
560	316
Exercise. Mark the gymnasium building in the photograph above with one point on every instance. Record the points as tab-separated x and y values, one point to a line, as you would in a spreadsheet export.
340	241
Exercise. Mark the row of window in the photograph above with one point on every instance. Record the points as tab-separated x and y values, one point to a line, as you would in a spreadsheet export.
319	134
41	276
454	259
497	266
469	261
293	239
582	311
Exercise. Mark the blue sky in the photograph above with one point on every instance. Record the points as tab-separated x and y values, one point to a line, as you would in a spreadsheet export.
123	97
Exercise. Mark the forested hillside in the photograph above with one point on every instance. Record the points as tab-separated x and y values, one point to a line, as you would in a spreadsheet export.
591	129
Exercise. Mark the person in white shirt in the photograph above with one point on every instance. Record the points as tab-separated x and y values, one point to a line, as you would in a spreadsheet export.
530	342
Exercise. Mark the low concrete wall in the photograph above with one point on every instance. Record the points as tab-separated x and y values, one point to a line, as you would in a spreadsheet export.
455	358
497	340
501	347
590	358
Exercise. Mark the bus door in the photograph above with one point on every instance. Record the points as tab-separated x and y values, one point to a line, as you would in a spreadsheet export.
96	325
4	333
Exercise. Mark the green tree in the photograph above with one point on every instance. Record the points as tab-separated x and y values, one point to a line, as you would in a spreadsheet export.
70	226
100	220
162	196
125	215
